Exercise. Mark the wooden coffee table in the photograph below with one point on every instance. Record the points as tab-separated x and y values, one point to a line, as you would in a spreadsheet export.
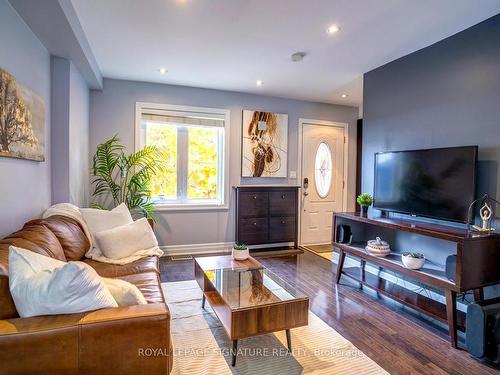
248	299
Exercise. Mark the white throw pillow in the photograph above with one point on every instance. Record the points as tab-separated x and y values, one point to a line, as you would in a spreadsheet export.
124	293
99	220
126	240
40	285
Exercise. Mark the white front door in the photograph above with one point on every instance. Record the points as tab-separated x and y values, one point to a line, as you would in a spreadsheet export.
322	181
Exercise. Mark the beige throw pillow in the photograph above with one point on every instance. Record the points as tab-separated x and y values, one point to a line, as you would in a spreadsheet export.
124	293
126	240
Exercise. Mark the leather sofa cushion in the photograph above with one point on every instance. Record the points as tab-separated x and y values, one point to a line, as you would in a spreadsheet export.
7	306
149	284
35	237
70	235
73	343
149	264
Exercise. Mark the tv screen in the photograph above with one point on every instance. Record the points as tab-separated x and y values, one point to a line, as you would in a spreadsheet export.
437	183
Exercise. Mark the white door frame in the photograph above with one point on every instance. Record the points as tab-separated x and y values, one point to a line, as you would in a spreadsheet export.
343	125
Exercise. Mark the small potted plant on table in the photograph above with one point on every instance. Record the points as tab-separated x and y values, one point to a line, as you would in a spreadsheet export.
413	261
240	252
364	200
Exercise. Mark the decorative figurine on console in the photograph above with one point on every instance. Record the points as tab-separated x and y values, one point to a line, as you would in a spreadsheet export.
486	213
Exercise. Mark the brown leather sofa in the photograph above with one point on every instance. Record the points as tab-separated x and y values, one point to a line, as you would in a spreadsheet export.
122	340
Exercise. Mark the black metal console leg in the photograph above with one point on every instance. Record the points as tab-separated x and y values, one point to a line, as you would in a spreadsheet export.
451	314
362	272
339	266
288	340
234	352
203	301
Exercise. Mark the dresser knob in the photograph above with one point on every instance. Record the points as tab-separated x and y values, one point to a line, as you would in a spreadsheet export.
283	196
282	221
254	197
255	223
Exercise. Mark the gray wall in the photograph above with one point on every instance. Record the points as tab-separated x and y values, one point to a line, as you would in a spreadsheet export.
447	94
59	91
24	185
79	110
112	111
70	133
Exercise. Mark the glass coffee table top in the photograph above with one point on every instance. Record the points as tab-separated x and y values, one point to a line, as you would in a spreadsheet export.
244	288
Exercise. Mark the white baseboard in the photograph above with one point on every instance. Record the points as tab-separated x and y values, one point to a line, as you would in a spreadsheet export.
198	248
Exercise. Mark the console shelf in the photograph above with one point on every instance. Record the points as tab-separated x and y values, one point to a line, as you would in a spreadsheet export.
402	295
393	262
477	258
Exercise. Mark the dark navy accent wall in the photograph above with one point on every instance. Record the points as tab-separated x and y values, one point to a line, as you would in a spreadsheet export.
447	94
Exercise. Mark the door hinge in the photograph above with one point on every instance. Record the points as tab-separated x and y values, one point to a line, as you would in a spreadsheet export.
343	184
344	139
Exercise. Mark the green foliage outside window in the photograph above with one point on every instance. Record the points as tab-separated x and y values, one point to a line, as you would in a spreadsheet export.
202	161
164	183
202	170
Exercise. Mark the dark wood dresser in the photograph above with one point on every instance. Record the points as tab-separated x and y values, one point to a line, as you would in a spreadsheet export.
266	215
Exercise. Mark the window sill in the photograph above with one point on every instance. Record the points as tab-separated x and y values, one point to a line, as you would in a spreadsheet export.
190	207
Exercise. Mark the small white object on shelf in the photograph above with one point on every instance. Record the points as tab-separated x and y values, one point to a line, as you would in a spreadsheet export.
412	262
240	254
378	247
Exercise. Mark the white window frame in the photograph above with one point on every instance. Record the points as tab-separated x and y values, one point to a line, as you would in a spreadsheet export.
223	182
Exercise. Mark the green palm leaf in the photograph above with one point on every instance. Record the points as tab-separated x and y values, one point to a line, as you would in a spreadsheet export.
126	178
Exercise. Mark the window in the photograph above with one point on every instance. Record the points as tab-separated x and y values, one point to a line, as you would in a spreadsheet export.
323	170
193	140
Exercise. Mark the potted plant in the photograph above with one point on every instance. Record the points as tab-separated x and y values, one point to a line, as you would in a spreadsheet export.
120	178
240	252
413	261
364	200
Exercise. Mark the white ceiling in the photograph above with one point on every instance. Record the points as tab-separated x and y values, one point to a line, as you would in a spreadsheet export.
229	44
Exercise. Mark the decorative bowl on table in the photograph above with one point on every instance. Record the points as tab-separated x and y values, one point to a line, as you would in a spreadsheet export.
240	252
378	247
413	261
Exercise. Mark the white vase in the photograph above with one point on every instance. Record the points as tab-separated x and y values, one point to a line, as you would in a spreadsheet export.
240	254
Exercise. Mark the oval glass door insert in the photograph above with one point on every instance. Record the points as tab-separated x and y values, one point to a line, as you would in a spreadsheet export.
323	170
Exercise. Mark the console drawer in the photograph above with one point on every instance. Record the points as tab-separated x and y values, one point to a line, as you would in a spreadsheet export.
253	204
283	203
253	230
282	229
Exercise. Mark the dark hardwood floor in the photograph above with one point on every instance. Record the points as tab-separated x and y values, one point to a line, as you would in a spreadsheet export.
393	336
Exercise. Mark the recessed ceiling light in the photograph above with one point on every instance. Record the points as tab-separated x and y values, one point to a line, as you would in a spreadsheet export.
162	70
332	29
344	96
298	56
259	82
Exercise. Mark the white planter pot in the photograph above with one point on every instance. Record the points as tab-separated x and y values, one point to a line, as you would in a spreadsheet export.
412	263
241	254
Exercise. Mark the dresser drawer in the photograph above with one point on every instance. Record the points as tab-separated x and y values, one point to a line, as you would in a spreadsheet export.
282	229
253	204
283	203
253	230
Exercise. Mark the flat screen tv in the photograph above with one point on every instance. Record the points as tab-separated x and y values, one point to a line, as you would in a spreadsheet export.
436	183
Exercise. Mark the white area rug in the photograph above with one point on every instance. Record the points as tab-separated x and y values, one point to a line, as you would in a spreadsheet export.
201	345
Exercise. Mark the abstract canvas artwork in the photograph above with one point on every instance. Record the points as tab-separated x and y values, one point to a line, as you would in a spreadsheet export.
264	144
22	120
